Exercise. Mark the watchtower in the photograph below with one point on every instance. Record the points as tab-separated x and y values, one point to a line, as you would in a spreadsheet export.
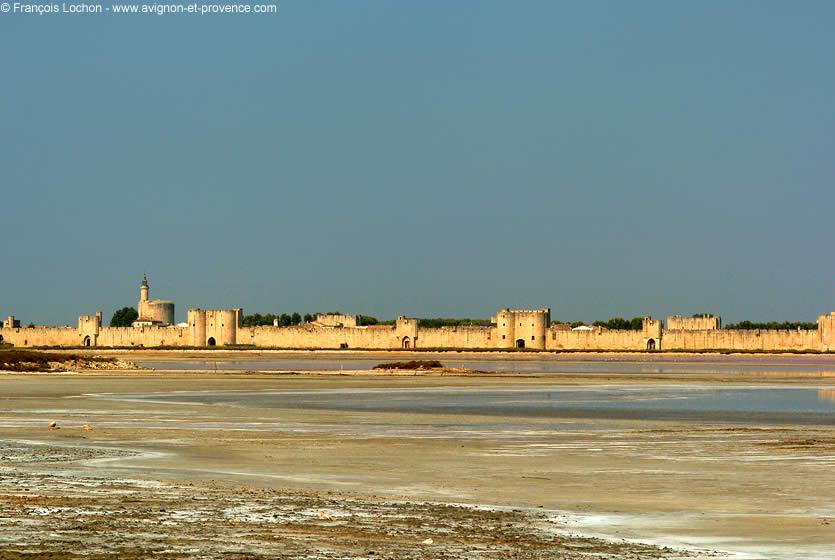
522	328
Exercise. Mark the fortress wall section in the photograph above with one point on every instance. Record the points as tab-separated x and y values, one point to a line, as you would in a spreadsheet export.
733	339
599	339
458	337
403	334
42	336
313	336
143	336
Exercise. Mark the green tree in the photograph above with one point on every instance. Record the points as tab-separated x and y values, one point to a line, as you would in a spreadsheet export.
773	325
308	318
284	320
124	317
258	320
619	323
295	319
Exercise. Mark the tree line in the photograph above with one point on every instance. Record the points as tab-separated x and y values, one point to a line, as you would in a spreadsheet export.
295	318
286	320
619	323
773	325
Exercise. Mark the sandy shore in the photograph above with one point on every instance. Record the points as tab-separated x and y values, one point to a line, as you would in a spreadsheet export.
183	480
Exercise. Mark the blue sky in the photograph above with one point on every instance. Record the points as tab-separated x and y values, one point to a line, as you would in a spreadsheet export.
423	158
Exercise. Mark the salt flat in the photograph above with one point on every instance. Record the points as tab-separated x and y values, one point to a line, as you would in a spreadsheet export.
542	465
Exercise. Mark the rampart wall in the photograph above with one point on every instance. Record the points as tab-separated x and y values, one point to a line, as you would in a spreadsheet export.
223	327
457	337
42	336
314	336
107	336
732	339
597	339
402	334
143	336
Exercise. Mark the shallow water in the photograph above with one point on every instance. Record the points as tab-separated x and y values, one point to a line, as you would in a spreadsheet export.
799	405
509	363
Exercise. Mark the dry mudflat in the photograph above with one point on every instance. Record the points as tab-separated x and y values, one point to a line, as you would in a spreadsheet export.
134	470
59	514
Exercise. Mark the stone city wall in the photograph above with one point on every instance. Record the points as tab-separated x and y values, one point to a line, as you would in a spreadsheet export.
42	336
143	336
598	339
732	339
223	327
314	336
457	337
402	334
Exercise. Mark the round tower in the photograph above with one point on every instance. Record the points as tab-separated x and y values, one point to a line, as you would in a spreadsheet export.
197	326
228	327
504	328
539	319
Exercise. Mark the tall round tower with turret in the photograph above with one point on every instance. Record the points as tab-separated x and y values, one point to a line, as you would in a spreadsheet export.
153	311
